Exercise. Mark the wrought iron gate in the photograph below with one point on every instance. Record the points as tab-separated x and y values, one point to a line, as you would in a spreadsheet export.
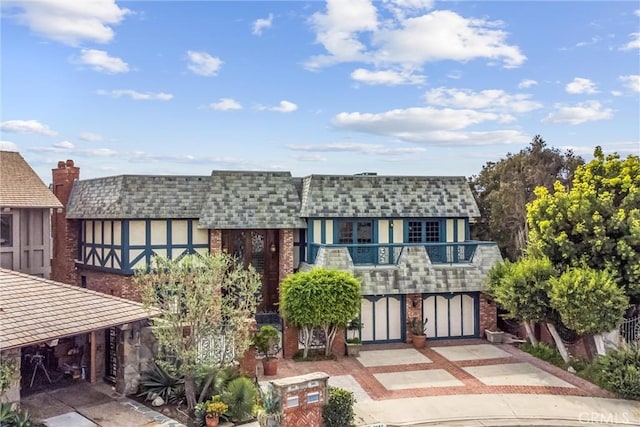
111	354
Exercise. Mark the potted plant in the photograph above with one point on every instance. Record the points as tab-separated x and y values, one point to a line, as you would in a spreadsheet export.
494	336
266	342
269	413
213	409
353	342
418	330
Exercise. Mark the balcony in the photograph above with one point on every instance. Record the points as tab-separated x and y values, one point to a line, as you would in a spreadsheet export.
374	254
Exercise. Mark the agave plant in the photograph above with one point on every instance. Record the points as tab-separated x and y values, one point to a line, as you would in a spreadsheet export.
158	382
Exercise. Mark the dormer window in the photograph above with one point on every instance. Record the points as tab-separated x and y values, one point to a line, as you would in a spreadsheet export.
424	231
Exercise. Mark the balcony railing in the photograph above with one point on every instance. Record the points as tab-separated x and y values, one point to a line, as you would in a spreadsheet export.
389	254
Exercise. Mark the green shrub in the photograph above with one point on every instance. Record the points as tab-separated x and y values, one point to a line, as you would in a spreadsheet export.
619	371
338	412
156	381
544	352
241	396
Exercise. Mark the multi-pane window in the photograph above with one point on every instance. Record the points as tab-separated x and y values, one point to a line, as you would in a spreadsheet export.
6	230
351	232
423	231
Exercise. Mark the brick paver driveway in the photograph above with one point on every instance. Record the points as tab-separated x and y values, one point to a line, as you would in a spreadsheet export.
394	371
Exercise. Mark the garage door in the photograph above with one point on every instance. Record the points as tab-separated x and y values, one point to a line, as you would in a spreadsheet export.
451	315
382	319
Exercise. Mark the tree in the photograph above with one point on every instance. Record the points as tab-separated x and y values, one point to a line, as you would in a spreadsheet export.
206	305
522	289
588	301
596	223
328	299
503	189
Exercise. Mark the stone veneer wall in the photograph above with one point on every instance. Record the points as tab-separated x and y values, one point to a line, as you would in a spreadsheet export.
136	347
13	393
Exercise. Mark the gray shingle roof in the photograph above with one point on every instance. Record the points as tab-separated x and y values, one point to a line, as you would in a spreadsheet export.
36	310
20	186
138	196
240	199
335	196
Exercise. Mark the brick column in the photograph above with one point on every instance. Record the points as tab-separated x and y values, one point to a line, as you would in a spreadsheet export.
64	232
290	341
488	314
302	398
412	311
215	241
286	253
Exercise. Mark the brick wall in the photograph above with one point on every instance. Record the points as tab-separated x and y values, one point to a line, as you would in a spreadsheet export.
488	314
290	341
109	283
64	232
215	241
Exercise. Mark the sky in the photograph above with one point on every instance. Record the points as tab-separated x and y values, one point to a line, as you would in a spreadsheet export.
397	87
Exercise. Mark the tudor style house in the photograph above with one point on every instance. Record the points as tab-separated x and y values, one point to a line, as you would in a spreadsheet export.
406	238
25	218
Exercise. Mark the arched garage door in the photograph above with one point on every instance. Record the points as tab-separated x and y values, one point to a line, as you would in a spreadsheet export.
382	318
452	315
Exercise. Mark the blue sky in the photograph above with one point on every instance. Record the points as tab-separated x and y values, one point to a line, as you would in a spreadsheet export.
405	87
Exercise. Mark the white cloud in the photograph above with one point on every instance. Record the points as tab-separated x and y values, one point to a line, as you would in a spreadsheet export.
387	77
490	100
261	24
26	126
580	85
71	22
101	152
346	28
309	158
136	96
634	43
637	12
337	31
428	125
64	145
8	146
91	137
283	107
100	60
616	93
226	104
203	64
631	82
579	113
402	9
354	147
527	83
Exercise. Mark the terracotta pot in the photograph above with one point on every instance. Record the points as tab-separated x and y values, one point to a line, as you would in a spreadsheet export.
212	421
419	341
270	365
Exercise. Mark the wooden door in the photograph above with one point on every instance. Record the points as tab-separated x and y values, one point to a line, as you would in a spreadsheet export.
258	248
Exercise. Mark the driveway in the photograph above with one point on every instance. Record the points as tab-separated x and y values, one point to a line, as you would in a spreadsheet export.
464	380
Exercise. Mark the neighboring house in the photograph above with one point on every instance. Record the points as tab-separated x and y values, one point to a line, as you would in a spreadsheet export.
50	329
406	238
25	217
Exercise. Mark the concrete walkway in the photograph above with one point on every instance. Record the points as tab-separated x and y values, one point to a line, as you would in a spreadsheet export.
499	410
87	405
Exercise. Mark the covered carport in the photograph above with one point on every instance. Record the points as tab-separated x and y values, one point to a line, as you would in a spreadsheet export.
51	330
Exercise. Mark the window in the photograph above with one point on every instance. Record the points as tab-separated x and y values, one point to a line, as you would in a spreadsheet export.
6	230
352	232
423	231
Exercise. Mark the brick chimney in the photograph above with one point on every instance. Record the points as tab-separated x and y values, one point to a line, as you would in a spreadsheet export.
64	232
